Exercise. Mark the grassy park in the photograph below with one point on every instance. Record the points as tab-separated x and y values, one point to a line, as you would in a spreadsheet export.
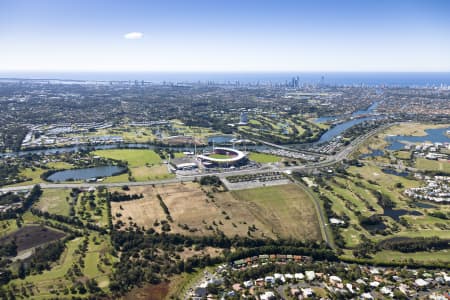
143	164
264	158
433	165
55	201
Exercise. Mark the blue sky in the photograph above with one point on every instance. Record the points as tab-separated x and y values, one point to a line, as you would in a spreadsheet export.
225	35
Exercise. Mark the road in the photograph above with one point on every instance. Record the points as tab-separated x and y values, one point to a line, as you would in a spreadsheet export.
330	160
323	222
286	148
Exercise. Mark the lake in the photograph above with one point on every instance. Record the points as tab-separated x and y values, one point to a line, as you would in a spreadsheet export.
438	135
373	153
220	139
86	173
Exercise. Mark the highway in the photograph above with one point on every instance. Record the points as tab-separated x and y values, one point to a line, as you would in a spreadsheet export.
330	160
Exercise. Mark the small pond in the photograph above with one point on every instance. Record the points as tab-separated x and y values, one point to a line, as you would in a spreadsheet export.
424	205
394	172
373	153
86	173
397	213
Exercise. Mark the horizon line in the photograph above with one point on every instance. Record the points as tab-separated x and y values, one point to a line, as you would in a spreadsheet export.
219	71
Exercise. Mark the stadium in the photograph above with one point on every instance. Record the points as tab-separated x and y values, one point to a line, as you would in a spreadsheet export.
223	157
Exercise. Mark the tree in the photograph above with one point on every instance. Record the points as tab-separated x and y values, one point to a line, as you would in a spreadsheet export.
21	273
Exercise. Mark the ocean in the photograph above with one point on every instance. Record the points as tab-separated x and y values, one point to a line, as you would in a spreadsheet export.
401	79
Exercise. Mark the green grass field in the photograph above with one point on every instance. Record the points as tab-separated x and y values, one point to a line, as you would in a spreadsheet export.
432	165
59	165
117	178
7	226
351	195
402	154
94	267
286	210
55	201
144	164
219	156
134	157
423	257
264	158
33	176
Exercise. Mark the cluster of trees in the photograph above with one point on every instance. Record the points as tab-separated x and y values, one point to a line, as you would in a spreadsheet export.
70	220
165	208
402	244
210	180
383	200
27	202
365	248
370	220
8	249
11	137
9	198
9	173
150	256
34	195
42	258
440	214
409	245
119	197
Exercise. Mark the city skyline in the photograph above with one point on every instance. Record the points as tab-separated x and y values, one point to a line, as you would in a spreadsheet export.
225	36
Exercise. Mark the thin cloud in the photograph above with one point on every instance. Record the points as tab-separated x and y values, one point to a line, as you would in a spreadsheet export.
134	35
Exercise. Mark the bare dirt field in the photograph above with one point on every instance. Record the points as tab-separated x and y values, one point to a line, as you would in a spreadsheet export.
192	210
31	236
284	211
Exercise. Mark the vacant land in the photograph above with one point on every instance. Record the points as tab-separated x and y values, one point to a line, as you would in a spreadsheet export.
31	236
264	158
286	210
192	210
55	201
283	211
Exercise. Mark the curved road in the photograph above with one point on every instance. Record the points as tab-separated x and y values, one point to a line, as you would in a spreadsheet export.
330	160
